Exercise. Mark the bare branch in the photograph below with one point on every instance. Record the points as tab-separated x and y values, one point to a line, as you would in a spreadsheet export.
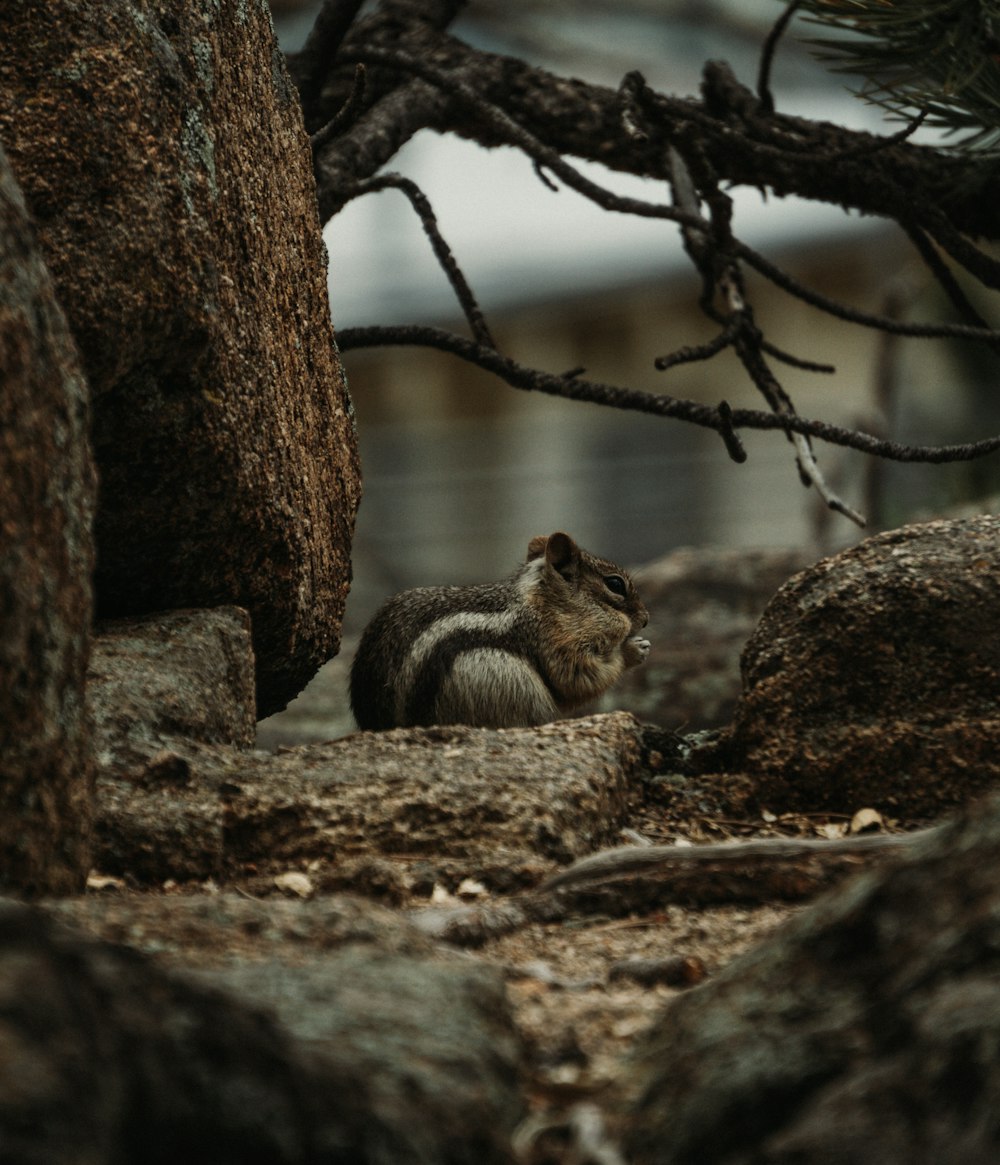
852	315
690	354
744	145
505	129
418	200
309	66
764	94
576	388
812	473
947	281
713	253
345	116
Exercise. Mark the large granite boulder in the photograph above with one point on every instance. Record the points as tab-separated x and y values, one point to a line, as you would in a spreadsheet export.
873	677
47	491
161	151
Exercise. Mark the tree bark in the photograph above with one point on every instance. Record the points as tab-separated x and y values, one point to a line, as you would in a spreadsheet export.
46	556
743	142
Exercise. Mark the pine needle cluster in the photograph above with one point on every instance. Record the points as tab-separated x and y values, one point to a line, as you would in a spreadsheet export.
935	58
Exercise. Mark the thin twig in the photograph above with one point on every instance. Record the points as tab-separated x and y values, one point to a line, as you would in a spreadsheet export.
809	471
852	315
428	220
873	147
345	116
691	353
543	177
730	438
982	266
712	254
764	94
310	65
813	475
946	280
796	361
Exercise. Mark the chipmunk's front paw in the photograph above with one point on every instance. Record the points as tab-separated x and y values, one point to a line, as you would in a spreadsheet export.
636	649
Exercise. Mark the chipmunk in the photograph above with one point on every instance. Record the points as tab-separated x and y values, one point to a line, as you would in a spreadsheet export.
554	635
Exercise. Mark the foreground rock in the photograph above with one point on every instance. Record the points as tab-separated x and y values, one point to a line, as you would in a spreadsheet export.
181	230
873	678
379	1058
867	1029
47	492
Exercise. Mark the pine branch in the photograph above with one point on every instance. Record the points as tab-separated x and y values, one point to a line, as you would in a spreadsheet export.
932	57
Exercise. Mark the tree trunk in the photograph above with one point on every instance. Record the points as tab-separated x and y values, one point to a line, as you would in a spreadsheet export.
46	510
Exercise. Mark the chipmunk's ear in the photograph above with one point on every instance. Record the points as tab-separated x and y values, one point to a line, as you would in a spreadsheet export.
560	551
562	554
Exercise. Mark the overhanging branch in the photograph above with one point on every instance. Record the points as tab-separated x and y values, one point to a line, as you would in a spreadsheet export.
573	387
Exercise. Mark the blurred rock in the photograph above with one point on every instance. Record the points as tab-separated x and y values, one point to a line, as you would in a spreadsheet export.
703	604
867	1029
379	1057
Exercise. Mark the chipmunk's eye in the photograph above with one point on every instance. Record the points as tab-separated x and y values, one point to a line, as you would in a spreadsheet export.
616	584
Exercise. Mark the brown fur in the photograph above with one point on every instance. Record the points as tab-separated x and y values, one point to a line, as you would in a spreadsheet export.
528	649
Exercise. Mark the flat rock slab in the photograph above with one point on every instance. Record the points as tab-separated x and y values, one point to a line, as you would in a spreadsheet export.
501	806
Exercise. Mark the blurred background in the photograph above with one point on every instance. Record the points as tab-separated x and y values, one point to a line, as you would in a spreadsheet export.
460	470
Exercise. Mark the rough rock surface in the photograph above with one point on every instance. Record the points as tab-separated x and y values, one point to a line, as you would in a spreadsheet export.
873	677
47	490
387	809
158	682
163	159
866	1029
